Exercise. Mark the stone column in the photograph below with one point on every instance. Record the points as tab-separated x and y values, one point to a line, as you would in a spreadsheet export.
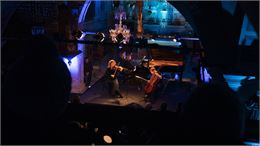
139	19
76	65
78	85
76	69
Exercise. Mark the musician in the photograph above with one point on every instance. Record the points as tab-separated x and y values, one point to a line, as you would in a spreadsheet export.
111	75
125	62
151	86
88	69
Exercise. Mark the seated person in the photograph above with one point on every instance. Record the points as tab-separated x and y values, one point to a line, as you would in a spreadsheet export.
151	86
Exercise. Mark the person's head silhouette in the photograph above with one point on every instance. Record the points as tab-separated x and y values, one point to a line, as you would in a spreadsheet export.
213	115
38	85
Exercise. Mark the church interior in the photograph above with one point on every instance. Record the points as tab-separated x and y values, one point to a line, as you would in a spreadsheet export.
150	72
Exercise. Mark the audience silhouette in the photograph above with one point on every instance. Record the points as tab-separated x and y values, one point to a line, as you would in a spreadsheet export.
35	93
37	89
213	115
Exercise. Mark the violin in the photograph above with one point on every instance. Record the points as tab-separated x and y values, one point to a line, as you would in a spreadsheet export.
117	67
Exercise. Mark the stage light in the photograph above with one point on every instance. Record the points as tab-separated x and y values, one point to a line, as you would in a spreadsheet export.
176	76
100	37
70	56
164	13
77	34
174	40
205	76
107	139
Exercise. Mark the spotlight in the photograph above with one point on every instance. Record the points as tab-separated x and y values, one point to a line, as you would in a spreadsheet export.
107	139
77	34
68	56
100	36
176	76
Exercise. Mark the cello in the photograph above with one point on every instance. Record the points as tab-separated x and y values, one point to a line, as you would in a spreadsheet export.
152	83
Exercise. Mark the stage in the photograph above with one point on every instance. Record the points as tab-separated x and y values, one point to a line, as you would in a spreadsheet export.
173	93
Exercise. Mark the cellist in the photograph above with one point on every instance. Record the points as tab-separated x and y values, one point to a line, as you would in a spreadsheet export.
152	83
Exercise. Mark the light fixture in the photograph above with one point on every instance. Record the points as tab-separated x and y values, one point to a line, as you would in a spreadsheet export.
120	34
70	55
100	37
205	76
76	34
176	76
107	139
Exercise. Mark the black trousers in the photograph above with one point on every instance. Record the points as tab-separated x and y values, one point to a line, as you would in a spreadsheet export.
88	77
113	88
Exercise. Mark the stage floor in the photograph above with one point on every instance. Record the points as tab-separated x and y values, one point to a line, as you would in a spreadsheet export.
174	93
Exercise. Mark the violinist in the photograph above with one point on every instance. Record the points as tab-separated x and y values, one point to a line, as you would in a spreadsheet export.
151	85
125	62
111	75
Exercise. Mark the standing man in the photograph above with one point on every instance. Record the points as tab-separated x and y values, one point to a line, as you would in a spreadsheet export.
88	68
111	76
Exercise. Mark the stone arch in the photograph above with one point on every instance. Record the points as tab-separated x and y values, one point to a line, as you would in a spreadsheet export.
83	13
